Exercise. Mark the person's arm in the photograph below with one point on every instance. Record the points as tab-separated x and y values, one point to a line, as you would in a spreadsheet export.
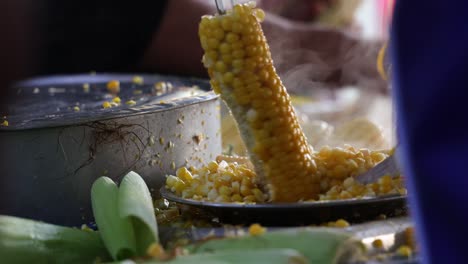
16	53
175	47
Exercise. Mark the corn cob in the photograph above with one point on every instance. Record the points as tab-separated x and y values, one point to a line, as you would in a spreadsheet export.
239	63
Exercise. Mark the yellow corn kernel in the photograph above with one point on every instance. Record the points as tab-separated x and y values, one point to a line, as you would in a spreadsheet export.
106	105
224	190
377	243
86	87
170	181
184	174
345	195
249	199
138	80
409	237
213	166
113	86
220	66
223	199
76	108
245	190
86	228
348	183
155	250
404	251
245	77
188	193
236	198
130	102
256	230
341	223
259	197
225	48
179	186
260	14
116	100
380	62
402	191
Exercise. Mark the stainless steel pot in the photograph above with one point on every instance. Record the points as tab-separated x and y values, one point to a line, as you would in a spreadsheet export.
52	152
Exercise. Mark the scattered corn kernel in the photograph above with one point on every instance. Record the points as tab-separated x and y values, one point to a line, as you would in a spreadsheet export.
155	250
184	174
106	105
232	182
256	230
76	108
404	251
377	243
130	102
410	238
137	80
113	86
341	223
86	87
86	228
4	123
116	100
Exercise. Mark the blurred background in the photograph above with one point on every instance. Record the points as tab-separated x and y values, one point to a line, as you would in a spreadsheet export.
325	51
356	109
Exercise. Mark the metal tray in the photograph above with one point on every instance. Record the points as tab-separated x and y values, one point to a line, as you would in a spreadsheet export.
296	214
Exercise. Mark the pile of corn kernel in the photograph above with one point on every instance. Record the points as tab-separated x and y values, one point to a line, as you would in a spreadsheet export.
217	182
237	182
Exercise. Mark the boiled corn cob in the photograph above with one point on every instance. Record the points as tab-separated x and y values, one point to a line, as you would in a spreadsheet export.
239	63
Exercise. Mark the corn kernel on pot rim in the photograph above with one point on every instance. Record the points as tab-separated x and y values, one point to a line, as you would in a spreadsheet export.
64	100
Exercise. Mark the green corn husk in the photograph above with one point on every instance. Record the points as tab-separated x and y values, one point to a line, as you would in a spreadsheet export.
116	232
28	241
259	256
135	203
318	245
125	216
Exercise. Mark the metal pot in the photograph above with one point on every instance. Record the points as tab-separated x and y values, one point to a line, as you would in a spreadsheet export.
52	151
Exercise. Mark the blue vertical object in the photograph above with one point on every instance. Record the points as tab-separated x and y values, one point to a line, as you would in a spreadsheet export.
429	47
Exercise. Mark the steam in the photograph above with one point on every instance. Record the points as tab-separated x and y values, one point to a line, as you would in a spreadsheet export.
328	59
321	62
